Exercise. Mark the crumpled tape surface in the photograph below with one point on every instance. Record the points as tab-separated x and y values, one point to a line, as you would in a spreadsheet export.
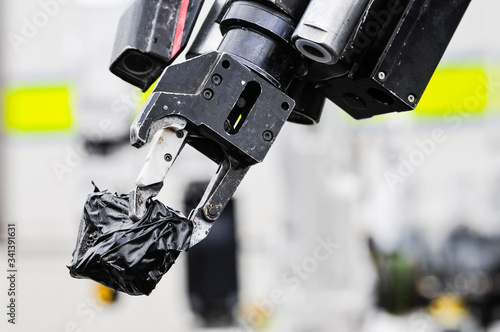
125	255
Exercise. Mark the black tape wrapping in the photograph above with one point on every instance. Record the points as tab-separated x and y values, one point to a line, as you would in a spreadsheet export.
125	255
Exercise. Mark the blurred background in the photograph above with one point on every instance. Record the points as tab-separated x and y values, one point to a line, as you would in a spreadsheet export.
386	224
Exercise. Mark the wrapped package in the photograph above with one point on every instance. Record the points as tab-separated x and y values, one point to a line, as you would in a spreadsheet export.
125	255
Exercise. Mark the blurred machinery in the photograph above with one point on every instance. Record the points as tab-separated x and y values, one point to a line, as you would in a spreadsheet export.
212	266
460	279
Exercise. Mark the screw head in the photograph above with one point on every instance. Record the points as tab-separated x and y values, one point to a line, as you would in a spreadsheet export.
168	157
411	98
381	75
268	136
179	134
216	79
208	94
165	107
241	102
211	212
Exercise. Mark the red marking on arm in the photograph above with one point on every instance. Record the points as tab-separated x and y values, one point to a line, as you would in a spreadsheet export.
181	21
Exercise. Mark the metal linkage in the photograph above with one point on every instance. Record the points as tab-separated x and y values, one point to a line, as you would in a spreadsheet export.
218	193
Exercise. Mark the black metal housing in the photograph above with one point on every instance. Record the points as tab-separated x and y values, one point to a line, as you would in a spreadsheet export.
207	103
209	36
150	35
260	36
309	102
392	55
293	8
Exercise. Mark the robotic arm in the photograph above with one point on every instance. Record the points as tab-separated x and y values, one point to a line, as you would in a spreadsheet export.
256	64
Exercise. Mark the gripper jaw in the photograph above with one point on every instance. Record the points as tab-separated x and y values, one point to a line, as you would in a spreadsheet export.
216	100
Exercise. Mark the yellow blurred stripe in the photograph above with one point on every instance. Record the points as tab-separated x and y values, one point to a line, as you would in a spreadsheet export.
36	108
459	88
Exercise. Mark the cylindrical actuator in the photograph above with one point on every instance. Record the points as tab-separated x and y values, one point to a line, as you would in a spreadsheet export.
209	37
325	28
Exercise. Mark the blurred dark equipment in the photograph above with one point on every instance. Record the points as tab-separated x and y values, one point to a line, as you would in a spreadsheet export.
104	147
212	267
466	267
149	38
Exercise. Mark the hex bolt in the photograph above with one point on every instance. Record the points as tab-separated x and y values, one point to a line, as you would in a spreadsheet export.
411	98
381	75
216	79
268	136
179	134
212	212
168	157
208	94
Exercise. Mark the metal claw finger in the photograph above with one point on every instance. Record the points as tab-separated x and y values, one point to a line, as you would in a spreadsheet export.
166	144
139	198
